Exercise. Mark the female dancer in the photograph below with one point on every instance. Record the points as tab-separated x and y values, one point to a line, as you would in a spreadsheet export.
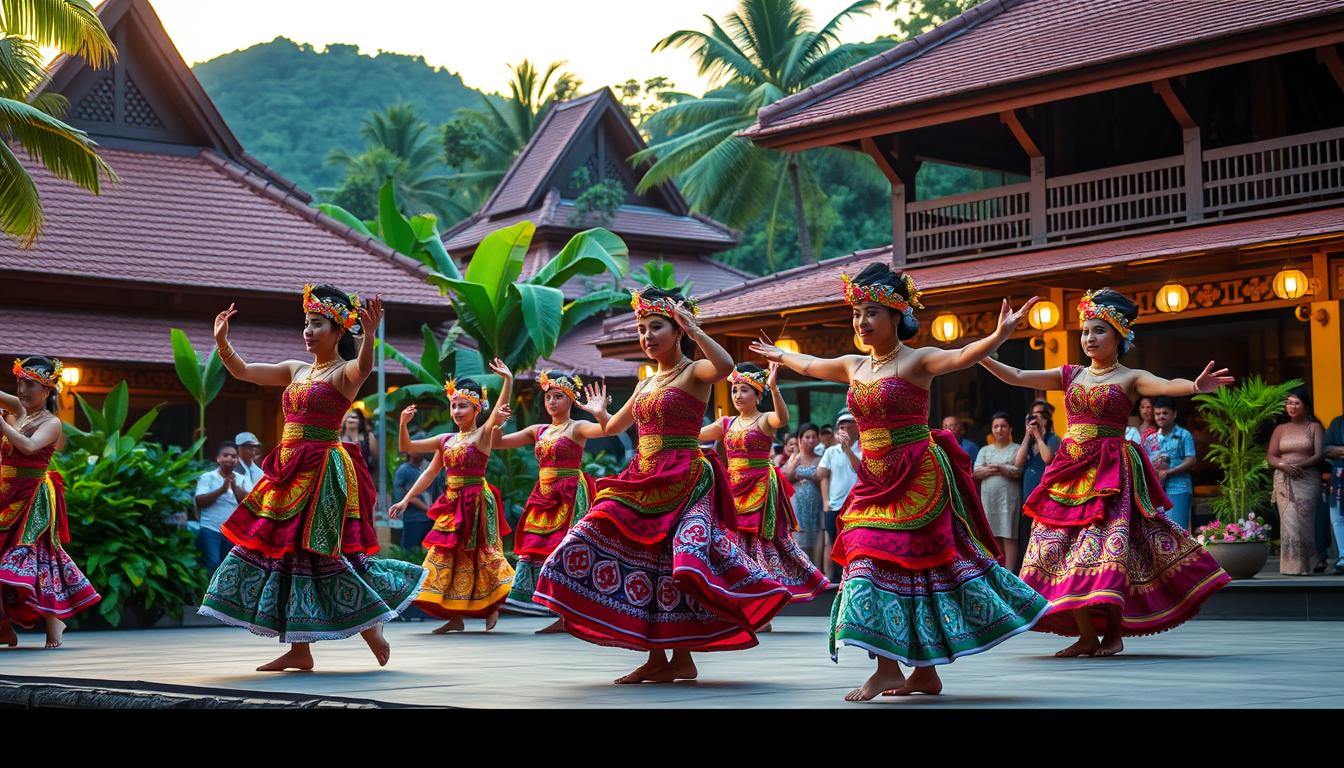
301	569
37	577
656	564
922	582
1101	550
764	499
468	573
563	491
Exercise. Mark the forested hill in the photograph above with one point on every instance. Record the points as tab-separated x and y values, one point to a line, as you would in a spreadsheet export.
289	104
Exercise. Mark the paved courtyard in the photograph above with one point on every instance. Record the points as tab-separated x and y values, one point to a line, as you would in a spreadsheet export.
1202	664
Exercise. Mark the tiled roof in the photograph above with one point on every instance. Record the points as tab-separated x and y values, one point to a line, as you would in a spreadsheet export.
121	338
542	152
818	285
578	352
1002	42
203	221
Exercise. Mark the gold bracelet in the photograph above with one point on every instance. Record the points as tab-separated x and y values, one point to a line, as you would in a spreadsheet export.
226	351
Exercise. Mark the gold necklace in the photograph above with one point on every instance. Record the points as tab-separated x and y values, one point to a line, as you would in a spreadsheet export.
875	363
660	379
558	429
316	369
1101	375
30	420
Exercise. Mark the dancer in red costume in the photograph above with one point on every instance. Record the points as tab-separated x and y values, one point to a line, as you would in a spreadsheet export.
1101	549
656	563
37	578
923	583
563	491
763	497
301	568
469	576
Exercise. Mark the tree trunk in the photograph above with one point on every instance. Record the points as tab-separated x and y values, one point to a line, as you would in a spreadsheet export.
799	215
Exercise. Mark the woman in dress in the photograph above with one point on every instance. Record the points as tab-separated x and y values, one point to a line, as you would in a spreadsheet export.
801	472
1296	450
301	569
922	584
764	499
355	429
656	563
1001	486
469	576
1101	549
563	491
38	580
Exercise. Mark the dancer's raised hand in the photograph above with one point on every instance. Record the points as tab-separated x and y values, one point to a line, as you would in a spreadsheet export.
407	414
222	324
597	398
1009	318
371	314
499	367
1210	380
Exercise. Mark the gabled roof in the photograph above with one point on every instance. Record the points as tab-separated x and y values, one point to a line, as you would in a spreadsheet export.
151	59
531	189
1002	43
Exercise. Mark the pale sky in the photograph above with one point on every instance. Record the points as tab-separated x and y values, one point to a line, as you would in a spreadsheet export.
604	41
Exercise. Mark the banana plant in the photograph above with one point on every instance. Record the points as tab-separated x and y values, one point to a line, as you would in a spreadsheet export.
662	274
105	436
202	382
415	236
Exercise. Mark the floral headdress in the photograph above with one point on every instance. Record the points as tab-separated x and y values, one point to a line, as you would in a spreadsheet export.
35	374
754	379
346	317
563	382
1089	309
885	295
663	306
450	389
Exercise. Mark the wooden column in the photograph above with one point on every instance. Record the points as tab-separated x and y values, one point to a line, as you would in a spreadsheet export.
1192	149
1061	348
1327	344
898	198
1328	55
1036	195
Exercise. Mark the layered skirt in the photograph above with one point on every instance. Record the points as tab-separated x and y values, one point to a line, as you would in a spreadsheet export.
766	522
560	499
468	574
40	578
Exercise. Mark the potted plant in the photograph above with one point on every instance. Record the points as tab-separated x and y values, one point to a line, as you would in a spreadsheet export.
1235	417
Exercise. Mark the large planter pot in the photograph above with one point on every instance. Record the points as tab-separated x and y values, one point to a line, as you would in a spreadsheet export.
1242	559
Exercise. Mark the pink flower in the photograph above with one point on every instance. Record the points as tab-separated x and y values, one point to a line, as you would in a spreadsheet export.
1228	538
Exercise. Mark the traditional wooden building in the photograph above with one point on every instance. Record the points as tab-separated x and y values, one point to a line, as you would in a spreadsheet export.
580	142
1190	154
193	224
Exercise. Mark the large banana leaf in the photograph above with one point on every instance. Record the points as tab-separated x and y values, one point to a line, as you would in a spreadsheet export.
591	304
395	229
542	309
417	370
498	260
475	310
432	356
187	364
116	406
591	252
212	380
345	217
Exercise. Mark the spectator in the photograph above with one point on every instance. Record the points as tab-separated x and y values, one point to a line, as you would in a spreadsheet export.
218	494
1295	451
1034	453
355	429
249	457
958	429
837	475
1334	454
789	450
1171	449
801	472
1135	432
415	524
825	438
1001	486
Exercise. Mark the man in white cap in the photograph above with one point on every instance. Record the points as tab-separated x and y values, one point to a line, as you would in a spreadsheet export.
249	450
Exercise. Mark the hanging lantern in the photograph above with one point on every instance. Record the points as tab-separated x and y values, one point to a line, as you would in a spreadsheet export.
946	327
645	371
1044	315
788	345
1290	284
1172	297
70	376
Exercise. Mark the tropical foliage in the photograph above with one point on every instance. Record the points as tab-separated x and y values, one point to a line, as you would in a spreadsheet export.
202	382
1236	417
33	121
915	17
121	493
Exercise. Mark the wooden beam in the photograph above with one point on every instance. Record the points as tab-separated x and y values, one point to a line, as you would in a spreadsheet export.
1329	56
883	162
1174	104
1184	61
1010	118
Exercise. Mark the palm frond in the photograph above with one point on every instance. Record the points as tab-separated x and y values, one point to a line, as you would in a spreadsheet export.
70	25
20	205
21	68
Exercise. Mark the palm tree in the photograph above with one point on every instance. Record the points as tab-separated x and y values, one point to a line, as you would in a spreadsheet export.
501	128
762	52
400	146
33	121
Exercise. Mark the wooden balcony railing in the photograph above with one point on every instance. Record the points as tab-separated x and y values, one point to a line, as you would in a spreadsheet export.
1269	174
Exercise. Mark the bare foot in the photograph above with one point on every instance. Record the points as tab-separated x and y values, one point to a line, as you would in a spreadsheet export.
491	620
767	628
55	632
922	680
1084	647
454	624
1110	646
382	650
295	658
880	681
681	667
557	626
643	672
7	634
